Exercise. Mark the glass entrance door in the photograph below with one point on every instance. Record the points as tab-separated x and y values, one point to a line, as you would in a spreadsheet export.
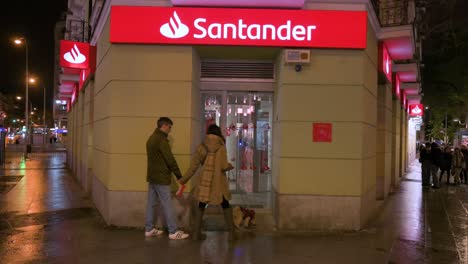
245	119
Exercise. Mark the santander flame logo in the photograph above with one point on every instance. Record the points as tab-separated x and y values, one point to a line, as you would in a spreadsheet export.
74	56
416	110
175	28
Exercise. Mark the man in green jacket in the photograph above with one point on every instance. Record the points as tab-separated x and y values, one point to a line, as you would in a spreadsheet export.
161	165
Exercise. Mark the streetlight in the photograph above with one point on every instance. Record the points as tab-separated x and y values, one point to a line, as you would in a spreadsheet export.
33	80
21	41
30	103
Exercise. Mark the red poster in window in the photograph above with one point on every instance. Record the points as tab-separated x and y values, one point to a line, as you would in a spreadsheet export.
322	132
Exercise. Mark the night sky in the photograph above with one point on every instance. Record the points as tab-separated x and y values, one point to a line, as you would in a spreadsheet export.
35	20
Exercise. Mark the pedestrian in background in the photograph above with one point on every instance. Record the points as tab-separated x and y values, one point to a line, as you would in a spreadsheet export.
446	164
161	165
425	159
458	164
464	173
436	157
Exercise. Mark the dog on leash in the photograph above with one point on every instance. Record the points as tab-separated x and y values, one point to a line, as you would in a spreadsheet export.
243	217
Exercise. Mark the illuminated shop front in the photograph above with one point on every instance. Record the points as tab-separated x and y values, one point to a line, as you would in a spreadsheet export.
296	90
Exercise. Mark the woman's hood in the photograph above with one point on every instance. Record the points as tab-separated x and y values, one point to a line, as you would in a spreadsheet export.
213	142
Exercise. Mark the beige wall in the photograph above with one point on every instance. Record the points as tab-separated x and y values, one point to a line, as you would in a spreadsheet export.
396	138
69	141
384	141
135	85
404	142
320	94
337	87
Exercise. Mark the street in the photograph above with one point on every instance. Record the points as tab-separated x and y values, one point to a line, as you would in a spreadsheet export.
45	217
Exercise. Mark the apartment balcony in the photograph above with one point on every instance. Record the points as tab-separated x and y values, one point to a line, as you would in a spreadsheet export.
399	36
396	19
77	30
392	13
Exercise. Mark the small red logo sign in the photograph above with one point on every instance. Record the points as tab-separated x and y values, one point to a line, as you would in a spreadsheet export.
75	55
322	132
84	74
416	110
385	62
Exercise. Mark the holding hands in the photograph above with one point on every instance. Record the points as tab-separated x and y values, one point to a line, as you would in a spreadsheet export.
230	167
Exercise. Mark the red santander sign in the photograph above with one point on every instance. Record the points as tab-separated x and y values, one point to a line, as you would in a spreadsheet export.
238	27
84	74
416	110
385	61
261	3
75	55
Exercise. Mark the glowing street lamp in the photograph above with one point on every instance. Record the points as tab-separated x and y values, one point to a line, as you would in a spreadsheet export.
33	80
21	41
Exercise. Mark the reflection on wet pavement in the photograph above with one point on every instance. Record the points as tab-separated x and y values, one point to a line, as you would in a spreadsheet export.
8	182
47	218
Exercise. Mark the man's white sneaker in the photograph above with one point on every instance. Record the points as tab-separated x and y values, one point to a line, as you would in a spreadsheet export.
178	235
153	232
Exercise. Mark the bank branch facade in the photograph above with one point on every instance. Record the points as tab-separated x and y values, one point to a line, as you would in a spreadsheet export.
308	94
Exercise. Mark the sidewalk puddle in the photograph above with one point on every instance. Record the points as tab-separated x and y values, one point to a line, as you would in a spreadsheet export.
8	182
45	218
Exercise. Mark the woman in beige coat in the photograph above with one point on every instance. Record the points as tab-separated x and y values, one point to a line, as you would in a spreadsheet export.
212	186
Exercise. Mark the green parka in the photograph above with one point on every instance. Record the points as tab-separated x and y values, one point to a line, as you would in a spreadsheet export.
161	161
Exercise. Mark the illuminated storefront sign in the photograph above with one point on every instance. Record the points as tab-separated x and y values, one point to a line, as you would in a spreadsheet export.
74	95
84	74
68	105
239	27
404	100
396	85
257	3
416	110
77	55
385	62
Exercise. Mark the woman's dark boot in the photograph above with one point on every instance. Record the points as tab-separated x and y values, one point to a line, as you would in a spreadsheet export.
197	224
228	218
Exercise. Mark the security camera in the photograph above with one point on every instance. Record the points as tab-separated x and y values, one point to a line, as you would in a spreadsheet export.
298	67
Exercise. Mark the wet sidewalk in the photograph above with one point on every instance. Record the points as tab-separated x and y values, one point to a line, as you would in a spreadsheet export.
45	217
